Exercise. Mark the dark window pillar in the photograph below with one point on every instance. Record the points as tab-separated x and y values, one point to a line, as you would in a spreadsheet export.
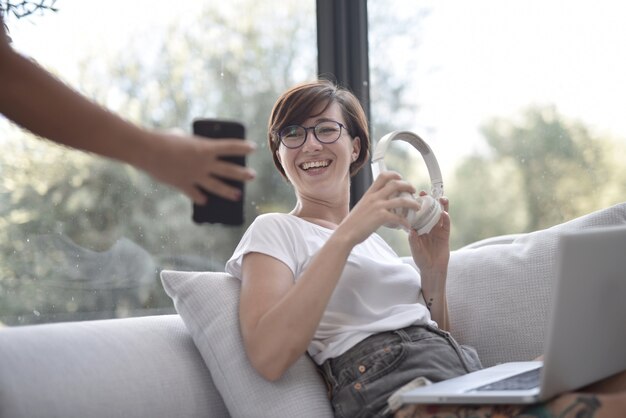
343	58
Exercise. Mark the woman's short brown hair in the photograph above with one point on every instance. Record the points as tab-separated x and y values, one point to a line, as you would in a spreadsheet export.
298	104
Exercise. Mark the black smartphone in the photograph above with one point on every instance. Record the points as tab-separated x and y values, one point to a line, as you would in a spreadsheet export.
217	209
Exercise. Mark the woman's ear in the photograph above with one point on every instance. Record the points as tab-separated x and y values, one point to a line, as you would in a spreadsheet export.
356	148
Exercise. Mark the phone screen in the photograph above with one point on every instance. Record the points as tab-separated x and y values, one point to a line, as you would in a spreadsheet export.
218	209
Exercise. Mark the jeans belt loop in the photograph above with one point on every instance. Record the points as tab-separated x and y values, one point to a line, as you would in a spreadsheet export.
328	372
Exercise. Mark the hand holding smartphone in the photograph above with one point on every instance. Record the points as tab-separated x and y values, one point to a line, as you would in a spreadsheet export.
217	209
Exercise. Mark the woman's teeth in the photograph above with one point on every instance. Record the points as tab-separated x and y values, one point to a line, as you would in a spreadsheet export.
314	164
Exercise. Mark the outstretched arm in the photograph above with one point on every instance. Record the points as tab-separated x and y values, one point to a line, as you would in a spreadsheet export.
36	100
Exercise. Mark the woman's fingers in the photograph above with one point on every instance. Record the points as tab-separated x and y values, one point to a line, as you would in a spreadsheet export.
445	203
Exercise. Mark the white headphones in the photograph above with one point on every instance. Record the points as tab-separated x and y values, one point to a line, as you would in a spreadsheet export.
427	217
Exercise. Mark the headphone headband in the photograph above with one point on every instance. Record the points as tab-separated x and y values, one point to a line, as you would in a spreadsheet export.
378	164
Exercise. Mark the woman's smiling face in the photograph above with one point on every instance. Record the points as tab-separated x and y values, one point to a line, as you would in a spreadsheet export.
317	169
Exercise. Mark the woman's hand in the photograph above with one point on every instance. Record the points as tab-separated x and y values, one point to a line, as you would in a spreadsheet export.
36	100
187	163
375	208
431	251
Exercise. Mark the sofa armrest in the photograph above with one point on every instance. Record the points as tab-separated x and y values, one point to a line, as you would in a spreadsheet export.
497	240
500	289
135	367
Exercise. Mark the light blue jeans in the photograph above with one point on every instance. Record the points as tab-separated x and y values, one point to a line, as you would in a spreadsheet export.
362	379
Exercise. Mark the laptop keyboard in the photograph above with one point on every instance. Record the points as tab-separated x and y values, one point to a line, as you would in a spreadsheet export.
522	381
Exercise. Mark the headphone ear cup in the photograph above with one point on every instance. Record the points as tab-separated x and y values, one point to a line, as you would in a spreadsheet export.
427	217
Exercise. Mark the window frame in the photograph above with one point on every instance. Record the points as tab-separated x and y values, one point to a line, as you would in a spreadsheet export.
342	46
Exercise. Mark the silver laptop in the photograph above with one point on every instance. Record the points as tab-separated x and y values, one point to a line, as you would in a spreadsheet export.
586	333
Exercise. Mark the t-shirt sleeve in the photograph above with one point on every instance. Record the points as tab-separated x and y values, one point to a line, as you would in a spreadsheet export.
270	235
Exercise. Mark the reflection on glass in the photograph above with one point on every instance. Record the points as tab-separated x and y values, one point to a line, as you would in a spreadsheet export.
83	237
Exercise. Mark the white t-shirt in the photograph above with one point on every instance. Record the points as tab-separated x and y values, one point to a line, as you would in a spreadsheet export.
376	292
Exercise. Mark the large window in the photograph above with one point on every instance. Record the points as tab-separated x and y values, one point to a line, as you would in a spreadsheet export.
82	237
520	101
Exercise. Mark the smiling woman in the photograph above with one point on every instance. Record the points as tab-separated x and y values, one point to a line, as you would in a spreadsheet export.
319	280
319	158
346	116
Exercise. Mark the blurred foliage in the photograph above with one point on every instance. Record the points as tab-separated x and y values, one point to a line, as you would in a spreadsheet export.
541	170
89	210
393	103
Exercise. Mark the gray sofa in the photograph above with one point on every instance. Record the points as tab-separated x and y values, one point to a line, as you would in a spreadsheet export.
498	289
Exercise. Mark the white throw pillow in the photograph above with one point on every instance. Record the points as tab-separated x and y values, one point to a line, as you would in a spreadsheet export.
208	304
499	295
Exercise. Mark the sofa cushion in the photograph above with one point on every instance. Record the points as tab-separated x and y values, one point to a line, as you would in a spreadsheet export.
499	295
132	367
208	304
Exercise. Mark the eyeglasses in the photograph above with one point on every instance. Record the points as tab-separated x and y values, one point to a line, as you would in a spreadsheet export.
326	132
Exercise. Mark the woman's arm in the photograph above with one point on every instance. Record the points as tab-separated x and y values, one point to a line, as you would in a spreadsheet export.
431	253
279	317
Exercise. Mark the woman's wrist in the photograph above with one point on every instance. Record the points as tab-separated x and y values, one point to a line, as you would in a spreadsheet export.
434	274
434	284
141	147
341	242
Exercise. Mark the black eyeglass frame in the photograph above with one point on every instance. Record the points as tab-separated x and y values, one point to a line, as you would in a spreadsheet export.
313	128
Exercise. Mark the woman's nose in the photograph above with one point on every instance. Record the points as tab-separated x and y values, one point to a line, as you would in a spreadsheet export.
310	142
